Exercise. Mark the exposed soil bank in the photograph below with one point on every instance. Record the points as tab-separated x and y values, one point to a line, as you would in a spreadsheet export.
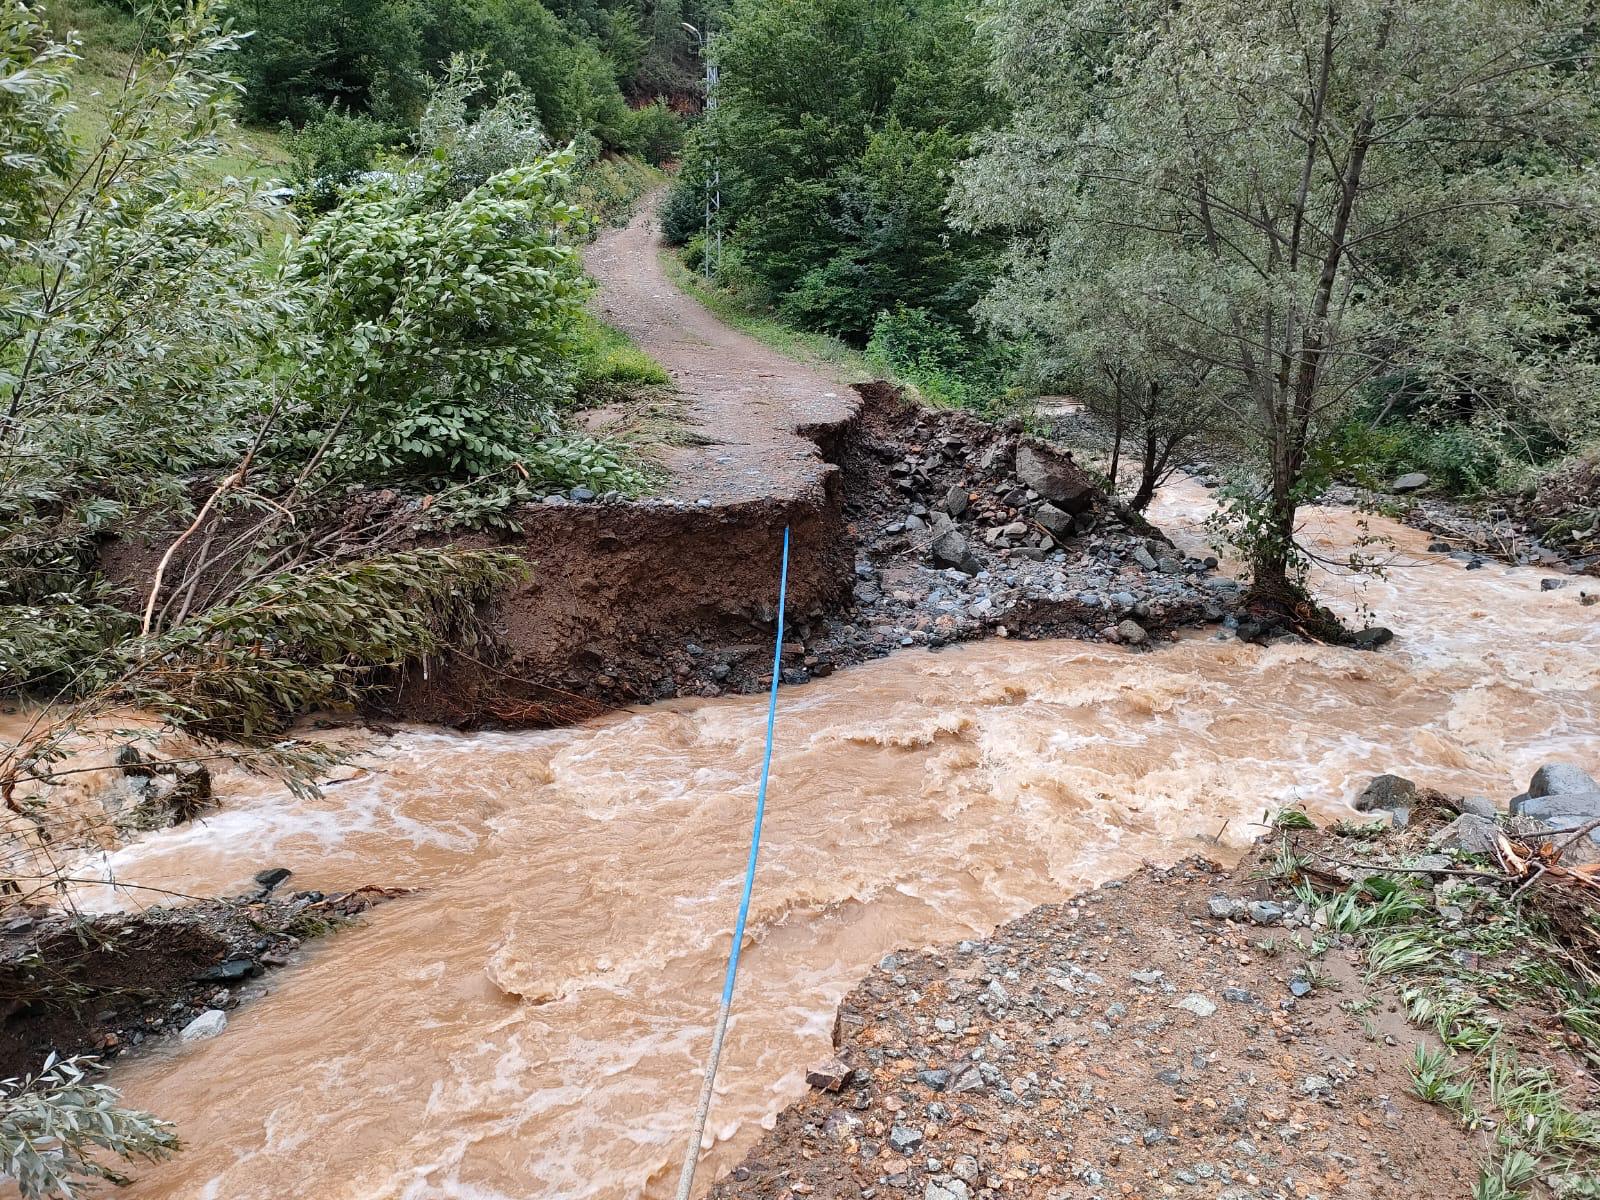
920	528
1190	1031
107	984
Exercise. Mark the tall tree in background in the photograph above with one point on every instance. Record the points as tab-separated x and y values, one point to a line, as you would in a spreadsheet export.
1307	195
837	127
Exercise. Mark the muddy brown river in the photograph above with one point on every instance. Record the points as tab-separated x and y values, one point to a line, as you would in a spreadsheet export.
532	1022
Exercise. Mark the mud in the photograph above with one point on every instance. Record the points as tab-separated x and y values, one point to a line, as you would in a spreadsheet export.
104	984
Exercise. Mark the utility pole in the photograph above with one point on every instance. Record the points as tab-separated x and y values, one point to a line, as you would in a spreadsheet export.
713	186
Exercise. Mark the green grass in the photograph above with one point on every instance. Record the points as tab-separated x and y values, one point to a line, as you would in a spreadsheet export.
110	38
611	366
819	349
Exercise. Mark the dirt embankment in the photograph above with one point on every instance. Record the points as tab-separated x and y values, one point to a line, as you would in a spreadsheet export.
1353	1012
916	528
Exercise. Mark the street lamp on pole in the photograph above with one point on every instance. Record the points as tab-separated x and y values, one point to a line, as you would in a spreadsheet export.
713	188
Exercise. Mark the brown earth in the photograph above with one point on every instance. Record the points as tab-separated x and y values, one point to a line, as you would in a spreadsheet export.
109	983
1132	1042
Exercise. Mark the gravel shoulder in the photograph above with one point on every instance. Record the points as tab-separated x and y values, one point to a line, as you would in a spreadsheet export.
1195	1031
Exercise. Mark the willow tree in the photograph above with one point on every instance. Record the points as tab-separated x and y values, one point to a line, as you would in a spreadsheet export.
1292	198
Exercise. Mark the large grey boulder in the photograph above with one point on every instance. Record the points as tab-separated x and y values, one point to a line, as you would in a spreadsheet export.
1055	477
949	549
1387	791
1560	779
1562	813
1413	481
1468	833
1057	522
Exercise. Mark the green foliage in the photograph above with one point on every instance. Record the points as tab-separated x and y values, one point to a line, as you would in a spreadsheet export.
655	133
330	152
1301	201
948	366
606	187
298	640
609	365
56	1126
431	333
306	56
837	125
682	212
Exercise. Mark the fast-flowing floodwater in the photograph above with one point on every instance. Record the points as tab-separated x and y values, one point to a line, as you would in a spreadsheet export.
532	1022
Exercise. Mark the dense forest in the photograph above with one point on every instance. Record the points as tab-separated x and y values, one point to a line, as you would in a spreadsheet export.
1344	242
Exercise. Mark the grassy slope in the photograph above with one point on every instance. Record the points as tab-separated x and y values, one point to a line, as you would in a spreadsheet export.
109	39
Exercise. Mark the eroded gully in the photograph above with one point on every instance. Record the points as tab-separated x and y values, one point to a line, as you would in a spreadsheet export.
531	1023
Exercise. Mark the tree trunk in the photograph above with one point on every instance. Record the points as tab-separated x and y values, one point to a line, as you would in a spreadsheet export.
1148	471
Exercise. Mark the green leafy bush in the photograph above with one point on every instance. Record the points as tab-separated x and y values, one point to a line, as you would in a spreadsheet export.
430	334
656	133
609	365
330	152
682	212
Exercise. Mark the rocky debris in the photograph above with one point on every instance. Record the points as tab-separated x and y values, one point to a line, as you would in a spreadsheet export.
1469	834
829	1076
1115	1046
1561	797
967	529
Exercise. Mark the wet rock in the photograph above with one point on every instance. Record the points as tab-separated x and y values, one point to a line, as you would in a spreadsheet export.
581	495
1413	481
132	762
271	878
1372	637
232	969
1551	585
1561	779
1387	791
1055	477
949	549
1131	633
1057	522
1468	833
207	1025
830	1076
1564	812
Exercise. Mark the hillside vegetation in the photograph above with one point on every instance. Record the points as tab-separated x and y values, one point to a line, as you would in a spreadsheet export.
1335	242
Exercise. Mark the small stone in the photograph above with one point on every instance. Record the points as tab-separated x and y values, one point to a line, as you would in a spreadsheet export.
1144	558
938	1080
1197	1004
1221	907
955	501
1551	585
1264	912
946	1187
580	495
207	1025
830	1076
903	1139
1412	481
1299	987
1131	633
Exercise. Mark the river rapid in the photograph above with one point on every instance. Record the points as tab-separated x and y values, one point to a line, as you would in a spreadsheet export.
532	1022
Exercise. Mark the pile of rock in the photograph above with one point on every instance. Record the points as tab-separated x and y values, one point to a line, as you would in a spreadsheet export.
1561	799
968	529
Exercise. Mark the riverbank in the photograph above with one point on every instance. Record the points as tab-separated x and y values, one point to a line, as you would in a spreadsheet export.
1271	1030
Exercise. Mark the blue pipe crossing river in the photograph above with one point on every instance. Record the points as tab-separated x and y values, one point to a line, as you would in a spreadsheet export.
692	1155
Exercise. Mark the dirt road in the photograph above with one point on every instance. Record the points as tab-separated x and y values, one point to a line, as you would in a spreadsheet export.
746	400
